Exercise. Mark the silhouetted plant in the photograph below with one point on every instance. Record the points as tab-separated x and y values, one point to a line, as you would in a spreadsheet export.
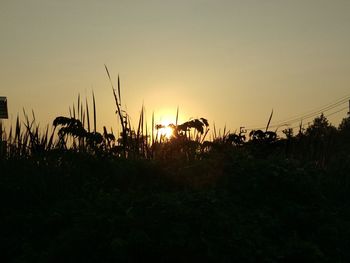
260	136
185	143
288	132
200	126
236	139
73	127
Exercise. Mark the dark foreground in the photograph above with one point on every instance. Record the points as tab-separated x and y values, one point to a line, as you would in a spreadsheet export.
226	208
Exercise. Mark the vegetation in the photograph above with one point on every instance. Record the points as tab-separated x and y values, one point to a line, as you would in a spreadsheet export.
72	194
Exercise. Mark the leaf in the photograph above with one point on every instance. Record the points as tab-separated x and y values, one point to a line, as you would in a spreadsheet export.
205	121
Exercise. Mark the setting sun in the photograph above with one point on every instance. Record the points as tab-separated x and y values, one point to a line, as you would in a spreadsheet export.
164	129
167	132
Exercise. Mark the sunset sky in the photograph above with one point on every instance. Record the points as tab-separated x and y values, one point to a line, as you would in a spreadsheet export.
230	61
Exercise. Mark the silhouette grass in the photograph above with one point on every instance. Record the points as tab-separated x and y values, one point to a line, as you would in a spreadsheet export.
70	193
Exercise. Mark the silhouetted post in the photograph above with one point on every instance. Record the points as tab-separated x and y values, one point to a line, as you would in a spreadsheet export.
349	109
3	108
3	115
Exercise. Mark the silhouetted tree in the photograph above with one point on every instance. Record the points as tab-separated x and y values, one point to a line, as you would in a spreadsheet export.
344	126
319	142
343	138
320	127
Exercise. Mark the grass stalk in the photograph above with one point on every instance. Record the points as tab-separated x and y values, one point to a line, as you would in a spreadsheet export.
94	110
268	123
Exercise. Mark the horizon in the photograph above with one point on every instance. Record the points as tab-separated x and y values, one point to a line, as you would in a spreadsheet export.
294	122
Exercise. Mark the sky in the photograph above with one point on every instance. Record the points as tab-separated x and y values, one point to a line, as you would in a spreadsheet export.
230	61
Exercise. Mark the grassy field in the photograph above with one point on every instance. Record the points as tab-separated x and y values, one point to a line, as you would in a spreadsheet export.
72	194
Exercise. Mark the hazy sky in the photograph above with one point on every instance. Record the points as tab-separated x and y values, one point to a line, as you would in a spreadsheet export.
229	61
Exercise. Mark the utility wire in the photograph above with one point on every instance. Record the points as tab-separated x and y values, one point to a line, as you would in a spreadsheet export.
318	109
327	116
325	109
337	111
307	115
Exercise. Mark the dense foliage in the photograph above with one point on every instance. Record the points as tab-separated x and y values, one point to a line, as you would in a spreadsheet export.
92	198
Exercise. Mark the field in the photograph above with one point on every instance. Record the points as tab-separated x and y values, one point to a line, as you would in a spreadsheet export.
72	194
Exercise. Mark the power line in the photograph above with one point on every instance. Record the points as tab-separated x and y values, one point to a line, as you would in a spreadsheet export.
345	108
318	109
307	115
327	116
325	109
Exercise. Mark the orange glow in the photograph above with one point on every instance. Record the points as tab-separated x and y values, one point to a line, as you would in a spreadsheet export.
166	131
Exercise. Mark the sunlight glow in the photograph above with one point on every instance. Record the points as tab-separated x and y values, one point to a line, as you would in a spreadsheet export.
167	131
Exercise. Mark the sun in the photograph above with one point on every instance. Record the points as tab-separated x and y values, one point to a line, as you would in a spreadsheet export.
166	131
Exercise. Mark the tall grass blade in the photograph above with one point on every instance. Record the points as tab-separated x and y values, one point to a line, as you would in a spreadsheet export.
10	135
146	141
109	76
120	99
50	143
153	128
177	116
87	115
268	123
215	135
83	118
142	131
17	130
33	115
122	118
94	109
119	111
78	105
82	114
205	135
44	139
139	127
